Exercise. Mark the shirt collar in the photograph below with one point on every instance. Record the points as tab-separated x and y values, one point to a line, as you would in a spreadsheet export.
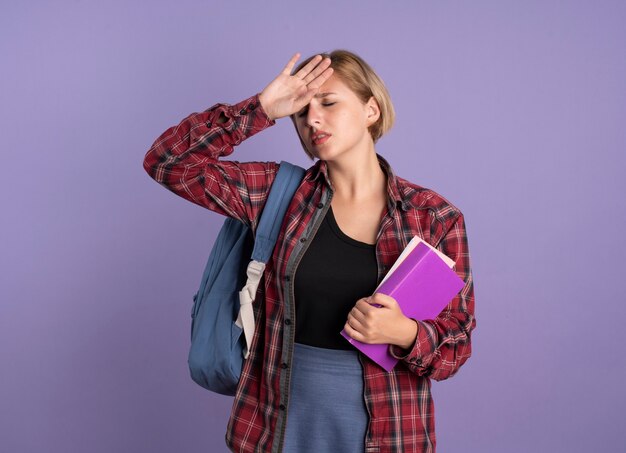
394	198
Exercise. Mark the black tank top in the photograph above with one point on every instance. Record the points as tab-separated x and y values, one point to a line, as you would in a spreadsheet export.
333	274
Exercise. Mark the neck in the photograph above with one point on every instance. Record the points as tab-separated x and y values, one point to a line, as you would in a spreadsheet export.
357	178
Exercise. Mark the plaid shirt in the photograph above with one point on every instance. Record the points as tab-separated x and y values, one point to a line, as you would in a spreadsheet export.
184	159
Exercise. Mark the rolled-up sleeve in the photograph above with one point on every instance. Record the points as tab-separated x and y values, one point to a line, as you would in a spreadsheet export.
186	160
443	344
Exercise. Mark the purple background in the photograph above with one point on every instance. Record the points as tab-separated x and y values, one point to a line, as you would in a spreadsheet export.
512	110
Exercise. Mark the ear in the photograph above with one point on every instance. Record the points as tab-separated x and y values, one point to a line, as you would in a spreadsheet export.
372	111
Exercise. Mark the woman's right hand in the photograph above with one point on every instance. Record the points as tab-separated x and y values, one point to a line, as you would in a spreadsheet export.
287	94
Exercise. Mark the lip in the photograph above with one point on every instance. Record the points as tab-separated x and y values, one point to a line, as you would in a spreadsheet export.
320	137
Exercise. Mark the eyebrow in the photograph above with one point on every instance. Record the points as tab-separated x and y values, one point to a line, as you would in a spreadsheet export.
321	95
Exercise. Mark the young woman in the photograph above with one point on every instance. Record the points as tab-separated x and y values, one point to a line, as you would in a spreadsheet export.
304	388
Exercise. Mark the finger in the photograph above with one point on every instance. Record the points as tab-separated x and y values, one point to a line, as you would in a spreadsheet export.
313	87
304	71
324	76
356	324
383	300
363	306
316	83
319	69
292	62
352	333
357	315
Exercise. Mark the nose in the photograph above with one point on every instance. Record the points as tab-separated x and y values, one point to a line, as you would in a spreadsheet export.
313	116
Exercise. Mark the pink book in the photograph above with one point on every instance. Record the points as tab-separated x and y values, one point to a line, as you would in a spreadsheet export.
423	283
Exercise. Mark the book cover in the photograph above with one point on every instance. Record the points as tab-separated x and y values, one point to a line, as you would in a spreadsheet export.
423	284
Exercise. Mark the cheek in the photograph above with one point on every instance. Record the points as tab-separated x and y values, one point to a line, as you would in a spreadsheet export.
299	127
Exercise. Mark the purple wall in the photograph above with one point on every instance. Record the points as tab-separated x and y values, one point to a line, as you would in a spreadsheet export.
513	110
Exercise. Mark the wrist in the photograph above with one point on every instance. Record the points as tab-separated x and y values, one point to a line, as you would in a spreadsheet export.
408	334
265	106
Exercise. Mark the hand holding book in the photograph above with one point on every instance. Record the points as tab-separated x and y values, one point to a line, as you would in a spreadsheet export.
368	323
422	283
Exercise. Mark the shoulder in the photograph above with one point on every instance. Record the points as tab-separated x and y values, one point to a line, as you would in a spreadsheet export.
416	197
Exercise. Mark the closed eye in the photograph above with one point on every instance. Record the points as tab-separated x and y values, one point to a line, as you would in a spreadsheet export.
305	110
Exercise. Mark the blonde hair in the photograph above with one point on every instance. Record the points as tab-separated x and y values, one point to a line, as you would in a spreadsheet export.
364	82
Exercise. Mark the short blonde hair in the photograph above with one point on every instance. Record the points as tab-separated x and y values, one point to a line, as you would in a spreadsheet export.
364	82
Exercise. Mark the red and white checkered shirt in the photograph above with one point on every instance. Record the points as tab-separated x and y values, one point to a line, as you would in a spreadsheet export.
185	159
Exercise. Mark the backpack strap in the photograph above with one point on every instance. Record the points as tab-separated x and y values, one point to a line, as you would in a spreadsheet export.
283	188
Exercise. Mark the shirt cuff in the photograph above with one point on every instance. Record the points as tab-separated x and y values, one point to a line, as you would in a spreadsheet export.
248	113
422	347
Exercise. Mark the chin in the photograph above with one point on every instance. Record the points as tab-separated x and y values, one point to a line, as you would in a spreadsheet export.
323	152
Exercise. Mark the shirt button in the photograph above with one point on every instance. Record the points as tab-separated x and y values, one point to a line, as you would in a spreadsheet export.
208	124
284	366
302	239
287	278
243	111
282	407
251	106
288	322
320	205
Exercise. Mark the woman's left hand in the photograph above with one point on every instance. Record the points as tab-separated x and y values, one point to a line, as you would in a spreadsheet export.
386	324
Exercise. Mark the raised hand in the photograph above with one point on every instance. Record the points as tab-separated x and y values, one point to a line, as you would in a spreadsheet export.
287	94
